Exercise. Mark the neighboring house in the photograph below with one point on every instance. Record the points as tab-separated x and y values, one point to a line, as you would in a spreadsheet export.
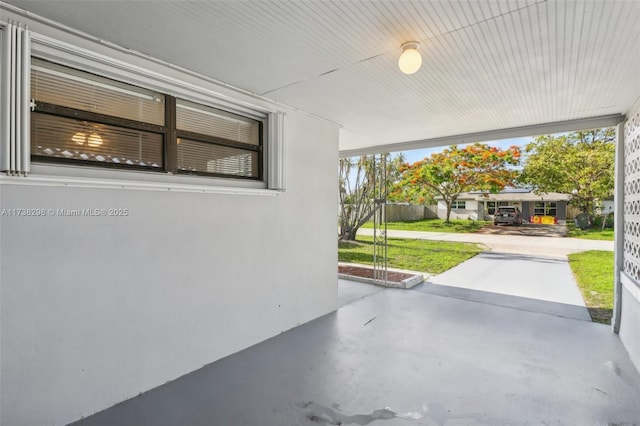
479	205
607	206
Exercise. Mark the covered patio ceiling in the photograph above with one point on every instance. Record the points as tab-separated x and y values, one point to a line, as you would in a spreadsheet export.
491	69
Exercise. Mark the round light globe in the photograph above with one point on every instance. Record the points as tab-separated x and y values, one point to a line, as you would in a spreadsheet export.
410	60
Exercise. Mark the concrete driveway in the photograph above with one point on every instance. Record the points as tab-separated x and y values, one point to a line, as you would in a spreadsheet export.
518	244
533	277
531	283
526	272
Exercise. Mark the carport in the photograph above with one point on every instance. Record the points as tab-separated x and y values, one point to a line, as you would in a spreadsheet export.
95	311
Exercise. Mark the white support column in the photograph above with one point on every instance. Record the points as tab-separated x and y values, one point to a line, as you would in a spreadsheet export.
618	227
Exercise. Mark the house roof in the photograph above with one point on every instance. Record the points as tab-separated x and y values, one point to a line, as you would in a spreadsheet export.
515	196
491	68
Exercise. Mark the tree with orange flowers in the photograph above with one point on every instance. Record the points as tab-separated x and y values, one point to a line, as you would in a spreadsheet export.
475	167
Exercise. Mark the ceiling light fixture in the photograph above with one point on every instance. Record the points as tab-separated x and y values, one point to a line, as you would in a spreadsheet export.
410	59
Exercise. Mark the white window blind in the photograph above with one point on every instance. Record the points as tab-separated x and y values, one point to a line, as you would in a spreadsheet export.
196	156
54	84
71	139
213	122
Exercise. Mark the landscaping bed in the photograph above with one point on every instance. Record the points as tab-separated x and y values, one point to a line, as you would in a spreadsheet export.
395	279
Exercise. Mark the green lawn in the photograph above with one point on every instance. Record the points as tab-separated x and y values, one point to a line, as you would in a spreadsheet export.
594	273
433	257
436	225
589	234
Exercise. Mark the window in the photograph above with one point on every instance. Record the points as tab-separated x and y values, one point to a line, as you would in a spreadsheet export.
490	206
545	208
84	119
217	142
459	205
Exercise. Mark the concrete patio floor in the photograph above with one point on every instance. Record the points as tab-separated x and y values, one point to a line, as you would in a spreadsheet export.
407	357
350	291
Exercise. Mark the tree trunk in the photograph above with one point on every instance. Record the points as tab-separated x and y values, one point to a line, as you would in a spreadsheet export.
348	233
448	212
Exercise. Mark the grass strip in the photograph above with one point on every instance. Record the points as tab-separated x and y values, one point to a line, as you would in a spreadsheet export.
433	257
596	233
594	273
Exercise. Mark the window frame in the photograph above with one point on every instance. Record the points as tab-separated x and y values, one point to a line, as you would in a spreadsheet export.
170	134
145	72
455	205
491	205
546	208
214	140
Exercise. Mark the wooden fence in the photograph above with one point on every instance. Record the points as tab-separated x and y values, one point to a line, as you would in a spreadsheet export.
404	212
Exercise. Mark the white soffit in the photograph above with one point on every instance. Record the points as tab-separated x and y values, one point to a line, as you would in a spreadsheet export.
487	65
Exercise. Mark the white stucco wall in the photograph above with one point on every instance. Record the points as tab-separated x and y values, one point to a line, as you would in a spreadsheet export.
630	324
608	206
630	292
470	210
95	310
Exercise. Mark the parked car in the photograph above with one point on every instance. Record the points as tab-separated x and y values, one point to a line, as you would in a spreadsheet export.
511	215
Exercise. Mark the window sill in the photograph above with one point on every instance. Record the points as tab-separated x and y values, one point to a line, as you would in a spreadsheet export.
82	177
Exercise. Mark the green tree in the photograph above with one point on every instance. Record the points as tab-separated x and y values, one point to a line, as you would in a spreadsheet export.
578	163
456	170
359	186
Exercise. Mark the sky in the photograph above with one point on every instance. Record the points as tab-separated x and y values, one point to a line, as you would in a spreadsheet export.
418	154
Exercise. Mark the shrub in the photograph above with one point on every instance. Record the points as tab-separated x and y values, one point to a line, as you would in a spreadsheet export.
597	221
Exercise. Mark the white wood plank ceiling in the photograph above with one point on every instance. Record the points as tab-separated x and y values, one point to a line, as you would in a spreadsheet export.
487	65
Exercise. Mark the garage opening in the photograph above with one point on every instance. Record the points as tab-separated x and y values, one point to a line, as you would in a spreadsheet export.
527	219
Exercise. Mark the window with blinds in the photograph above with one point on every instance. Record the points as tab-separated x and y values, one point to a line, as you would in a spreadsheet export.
57	85
83	118
71	139
217	142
